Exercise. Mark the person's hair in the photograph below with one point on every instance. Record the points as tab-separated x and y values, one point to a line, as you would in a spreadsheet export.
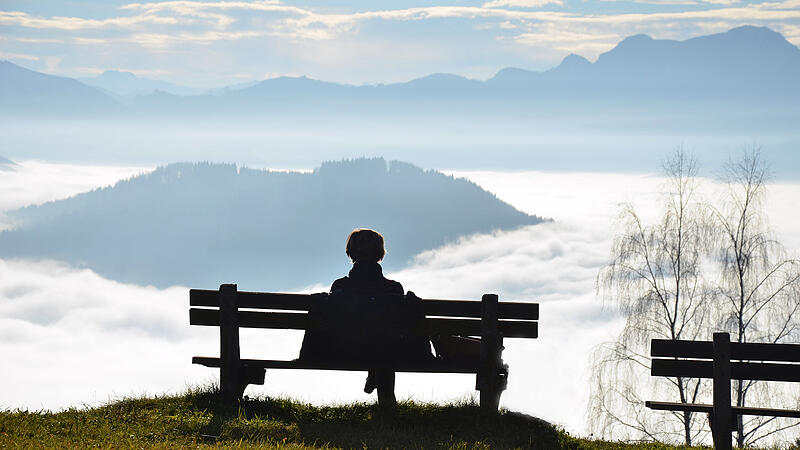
365	245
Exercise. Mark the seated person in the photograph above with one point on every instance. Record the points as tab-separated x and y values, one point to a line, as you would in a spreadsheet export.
367	319
365	248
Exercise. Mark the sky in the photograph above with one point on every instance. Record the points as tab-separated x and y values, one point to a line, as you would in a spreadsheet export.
106	339
217	43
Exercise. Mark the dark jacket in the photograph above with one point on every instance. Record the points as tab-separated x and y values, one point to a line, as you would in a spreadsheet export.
364	318
367	278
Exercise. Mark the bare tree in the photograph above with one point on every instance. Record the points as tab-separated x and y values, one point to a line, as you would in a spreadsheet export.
759	286
656	280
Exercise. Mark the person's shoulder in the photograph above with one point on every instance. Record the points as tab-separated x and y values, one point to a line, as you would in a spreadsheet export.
394	287
341	284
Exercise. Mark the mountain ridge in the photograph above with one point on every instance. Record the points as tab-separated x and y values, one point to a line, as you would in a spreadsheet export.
639	72
24	90
6	164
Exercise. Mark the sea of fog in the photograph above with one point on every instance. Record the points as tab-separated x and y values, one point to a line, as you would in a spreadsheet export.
70	337
464	142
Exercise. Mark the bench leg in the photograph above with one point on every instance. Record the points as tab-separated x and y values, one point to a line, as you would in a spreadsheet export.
491	385
722	419
231	372
247	376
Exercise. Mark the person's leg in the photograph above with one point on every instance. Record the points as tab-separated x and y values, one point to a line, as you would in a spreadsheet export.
370	385
385	383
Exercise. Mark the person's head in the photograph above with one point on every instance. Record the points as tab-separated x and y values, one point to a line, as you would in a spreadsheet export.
365	245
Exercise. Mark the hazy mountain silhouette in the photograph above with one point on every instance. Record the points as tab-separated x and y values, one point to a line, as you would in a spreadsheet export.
128	85
750	67
203	224
745	62
6	164
24	91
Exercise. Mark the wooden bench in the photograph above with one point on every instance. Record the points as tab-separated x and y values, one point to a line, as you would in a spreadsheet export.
723	361
230	310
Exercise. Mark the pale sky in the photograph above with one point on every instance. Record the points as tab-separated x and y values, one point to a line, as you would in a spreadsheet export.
215	43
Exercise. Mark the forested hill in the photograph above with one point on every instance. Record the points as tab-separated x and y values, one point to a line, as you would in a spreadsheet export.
204	224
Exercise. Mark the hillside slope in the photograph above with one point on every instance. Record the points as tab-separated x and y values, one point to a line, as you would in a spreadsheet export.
192	421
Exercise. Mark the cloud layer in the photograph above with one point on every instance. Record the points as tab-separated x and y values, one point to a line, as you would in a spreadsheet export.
76	338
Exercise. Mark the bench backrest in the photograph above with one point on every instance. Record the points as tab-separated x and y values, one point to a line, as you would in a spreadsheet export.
749	361
290	311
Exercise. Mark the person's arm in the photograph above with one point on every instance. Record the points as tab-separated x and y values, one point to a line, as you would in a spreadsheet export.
396	288
339	285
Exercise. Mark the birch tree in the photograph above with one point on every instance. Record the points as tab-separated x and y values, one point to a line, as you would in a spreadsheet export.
655	279
759	288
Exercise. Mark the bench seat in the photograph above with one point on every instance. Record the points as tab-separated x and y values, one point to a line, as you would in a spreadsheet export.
709	409
436	366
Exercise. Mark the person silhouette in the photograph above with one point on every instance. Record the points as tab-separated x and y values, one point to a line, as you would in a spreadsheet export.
365	248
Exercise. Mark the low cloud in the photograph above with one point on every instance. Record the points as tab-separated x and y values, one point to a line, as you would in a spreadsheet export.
36	182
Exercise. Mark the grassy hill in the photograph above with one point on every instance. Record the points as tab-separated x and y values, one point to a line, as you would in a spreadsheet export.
193	420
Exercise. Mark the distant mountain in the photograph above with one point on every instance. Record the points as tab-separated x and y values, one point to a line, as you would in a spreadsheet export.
24	91
730	77
743	63
753	65
204	224
233	87
6	164
128	85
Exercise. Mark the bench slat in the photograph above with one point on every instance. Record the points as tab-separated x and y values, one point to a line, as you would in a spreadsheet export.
754	351
303	302
765	371
672	406
736	410
751	411
739	370
428	367
681	368
300	321
253	300
472	308
765	352
681	349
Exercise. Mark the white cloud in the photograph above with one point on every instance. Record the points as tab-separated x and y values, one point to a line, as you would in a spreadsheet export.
74	337
521	3
7	55
35	182
16	18
227	31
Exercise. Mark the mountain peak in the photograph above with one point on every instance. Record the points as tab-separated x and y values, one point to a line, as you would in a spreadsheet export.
635	41
572	62
752	30
512	75
5	163
118	74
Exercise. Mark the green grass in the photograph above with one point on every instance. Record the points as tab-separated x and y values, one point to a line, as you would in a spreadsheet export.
194	420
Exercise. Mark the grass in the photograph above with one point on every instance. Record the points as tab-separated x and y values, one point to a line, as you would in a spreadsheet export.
195	420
